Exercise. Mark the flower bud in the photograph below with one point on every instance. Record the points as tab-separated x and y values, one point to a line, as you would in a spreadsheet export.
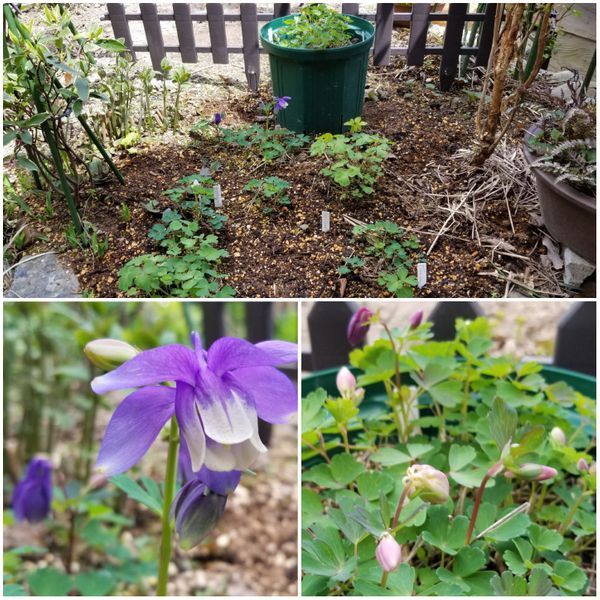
582	465
388	552
416	319
428	483
557	435
358	326
345	381
109	354
33	494
532	472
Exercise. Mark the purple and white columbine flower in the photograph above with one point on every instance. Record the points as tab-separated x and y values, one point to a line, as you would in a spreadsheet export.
218	396
33	494
281	103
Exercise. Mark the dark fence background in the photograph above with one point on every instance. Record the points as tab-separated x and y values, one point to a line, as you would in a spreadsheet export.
575	346
419	19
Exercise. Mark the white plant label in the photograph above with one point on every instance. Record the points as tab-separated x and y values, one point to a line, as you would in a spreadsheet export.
217	195
325	220
421	274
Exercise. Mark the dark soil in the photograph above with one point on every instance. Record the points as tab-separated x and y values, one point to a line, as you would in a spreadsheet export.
285	253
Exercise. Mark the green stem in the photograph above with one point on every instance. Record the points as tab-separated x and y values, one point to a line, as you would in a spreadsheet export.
573	511
167	532
492	472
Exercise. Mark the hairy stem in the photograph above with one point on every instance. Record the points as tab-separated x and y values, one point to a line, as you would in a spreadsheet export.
167	532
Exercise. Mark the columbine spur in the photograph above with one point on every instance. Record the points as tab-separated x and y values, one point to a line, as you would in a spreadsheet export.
218	396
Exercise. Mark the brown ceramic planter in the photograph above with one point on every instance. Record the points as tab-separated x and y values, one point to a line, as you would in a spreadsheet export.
569	215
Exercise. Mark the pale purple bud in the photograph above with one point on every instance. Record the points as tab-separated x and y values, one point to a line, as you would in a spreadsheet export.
358	395
592	469
358	326
416	319
557	435
428	483
388	553
109	354
582	465
345	381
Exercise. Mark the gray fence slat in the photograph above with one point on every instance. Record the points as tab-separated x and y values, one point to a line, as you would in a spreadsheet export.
487	36
452	44
444	315
153	33
120	25
328	325
185	32
417	41
384	26
218	35
576	339
350	9
249	21
280	9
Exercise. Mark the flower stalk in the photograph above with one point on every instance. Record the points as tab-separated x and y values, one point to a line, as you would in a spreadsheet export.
169	493
492	472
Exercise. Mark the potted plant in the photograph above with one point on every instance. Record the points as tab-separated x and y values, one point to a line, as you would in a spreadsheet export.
561	149
319	58
436	468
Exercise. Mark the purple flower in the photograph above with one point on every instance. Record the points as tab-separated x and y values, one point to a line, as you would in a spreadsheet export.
281	103
217	399
359	326
200	503
416	319
388	553
33	494
218	118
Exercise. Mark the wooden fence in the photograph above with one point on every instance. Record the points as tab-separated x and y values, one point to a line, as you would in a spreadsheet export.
419	18
575	344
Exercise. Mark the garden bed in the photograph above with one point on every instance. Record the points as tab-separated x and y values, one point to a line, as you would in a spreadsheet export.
285	253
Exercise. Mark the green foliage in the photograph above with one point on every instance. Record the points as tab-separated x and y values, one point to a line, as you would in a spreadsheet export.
354	160
270	143
383	248
317	26
267	191
474	410
189	266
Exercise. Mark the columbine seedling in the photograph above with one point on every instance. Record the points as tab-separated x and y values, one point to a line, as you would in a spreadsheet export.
455	472
354	160
268	191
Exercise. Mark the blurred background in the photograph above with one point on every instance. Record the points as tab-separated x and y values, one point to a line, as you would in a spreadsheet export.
49	408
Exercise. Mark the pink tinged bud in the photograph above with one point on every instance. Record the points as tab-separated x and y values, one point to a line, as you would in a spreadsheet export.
533	472
358	326
557	435
592	470
388	553
416	319
582	465
345	381
428	483
108	354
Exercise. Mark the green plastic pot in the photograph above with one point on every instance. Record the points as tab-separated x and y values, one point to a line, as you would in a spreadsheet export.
327	86
375	396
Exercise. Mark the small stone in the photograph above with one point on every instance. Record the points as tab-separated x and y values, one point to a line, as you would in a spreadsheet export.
223	541
577	269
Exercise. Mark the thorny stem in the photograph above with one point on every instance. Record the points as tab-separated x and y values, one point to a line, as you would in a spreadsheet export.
167	532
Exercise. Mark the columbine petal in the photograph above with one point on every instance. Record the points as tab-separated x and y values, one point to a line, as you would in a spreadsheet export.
227	416
274	395
228	353
282	353
234	457
133	427
190	424
167	363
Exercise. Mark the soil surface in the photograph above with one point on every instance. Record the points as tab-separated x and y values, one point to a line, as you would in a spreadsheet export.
285	253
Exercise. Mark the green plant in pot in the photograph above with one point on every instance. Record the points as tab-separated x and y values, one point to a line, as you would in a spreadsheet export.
319	58
439	468
561	149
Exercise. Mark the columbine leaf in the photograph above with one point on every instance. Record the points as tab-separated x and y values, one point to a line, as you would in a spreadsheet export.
460	456
446	534
136	492
49	582
569	576
543	538
503	421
